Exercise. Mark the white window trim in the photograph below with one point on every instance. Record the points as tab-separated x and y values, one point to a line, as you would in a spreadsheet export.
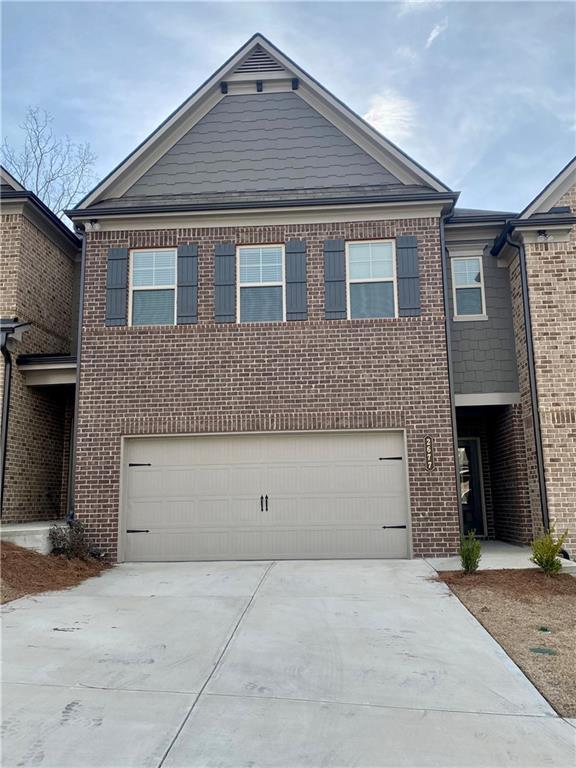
132	288
392	279
468	318
274	284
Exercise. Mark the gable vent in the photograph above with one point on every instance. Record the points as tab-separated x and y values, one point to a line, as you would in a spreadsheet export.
258	61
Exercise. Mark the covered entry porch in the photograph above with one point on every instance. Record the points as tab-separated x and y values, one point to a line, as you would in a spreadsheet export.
493	468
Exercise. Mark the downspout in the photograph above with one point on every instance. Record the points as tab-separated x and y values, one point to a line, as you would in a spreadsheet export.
72	485
448	333
532	377
5	411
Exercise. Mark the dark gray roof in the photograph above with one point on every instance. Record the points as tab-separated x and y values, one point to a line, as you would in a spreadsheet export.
266	197
460	213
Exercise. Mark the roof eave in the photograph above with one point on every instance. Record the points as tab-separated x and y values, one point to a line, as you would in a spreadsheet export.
27	196
432	197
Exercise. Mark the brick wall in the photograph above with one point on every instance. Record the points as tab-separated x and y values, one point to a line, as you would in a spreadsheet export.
315	374
525	414
552	287
36	282
509	477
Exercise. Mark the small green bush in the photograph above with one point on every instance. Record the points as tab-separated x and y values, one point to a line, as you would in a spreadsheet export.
545	551
70	540
470	552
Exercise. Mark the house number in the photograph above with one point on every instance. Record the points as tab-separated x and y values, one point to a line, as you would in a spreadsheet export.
429	449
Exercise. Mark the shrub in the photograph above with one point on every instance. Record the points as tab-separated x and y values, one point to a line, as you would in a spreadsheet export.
470	552
545	551
69	540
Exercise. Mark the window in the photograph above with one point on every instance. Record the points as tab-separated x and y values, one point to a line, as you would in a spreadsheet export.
153	287
468	286
371	272
261	284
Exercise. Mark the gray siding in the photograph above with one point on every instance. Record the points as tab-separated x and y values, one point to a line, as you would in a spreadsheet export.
261	141
483	352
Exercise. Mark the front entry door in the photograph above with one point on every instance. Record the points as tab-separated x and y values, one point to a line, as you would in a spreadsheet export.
471	492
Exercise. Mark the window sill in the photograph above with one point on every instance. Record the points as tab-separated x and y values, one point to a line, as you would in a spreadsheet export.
469	318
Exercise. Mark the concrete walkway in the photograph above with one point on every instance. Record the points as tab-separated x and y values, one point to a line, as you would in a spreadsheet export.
497	554
349	663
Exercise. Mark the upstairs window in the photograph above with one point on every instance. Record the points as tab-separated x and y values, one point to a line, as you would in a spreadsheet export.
371	273
153	287
468	285
261	284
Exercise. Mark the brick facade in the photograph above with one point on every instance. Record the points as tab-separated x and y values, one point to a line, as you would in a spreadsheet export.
36	286
509	475
551	270
314	374
534	509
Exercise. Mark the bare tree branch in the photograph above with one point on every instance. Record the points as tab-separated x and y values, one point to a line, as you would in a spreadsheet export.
54	168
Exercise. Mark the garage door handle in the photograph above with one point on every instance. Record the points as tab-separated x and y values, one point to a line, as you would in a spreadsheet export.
266	500
393	526
261	503
137	530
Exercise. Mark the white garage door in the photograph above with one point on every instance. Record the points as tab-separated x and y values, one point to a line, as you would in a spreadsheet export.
265	496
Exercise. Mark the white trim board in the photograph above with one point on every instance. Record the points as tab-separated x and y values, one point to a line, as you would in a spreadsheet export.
317	214
209	94
552	192
489	398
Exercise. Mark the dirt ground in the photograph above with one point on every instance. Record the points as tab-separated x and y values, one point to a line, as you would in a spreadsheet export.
24	572
533	617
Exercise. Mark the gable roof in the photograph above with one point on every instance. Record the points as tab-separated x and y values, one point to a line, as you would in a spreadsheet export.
258	60
7	180
552	192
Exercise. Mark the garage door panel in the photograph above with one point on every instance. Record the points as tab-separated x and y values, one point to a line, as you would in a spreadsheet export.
329	495
144	482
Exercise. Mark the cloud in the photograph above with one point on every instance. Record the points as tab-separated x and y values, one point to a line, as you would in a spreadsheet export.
392	114
437	30
415	6
407	53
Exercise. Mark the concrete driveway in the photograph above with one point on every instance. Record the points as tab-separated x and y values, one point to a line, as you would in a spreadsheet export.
348	663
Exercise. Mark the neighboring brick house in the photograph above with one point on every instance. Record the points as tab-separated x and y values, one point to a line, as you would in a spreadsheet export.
39	269
294	345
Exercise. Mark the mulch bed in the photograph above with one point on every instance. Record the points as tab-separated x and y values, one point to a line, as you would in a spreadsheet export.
533	617
25	572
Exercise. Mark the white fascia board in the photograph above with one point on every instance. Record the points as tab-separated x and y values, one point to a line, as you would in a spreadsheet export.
532	232
316	214
550	195
208	95
46	376
7	178
489	398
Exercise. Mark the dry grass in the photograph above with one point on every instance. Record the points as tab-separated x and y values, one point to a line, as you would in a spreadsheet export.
516	606
24	572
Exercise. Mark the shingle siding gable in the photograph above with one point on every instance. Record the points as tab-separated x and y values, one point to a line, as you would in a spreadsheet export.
265	141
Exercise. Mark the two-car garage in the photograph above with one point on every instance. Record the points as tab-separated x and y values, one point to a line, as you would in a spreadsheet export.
263	496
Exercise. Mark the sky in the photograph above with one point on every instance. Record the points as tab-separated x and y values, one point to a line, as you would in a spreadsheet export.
482	94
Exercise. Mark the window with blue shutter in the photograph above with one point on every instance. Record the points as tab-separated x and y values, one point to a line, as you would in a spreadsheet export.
371	279
261	283
153	280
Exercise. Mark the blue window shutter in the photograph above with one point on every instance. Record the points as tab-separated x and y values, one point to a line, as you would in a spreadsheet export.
335	279
225	283
296	286
117	286
187	281
408	274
